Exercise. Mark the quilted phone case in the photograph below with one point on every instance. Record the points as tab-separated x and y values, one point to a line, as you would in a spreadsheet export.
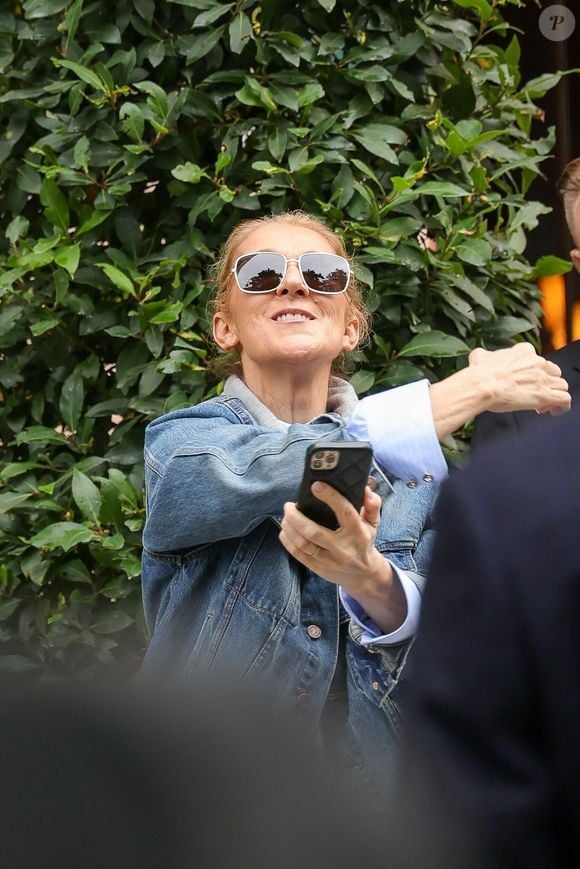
345	466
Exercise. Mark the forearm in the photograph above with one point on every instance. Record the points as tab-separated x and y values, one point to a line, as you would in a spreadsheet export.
371	634
379	594
457	399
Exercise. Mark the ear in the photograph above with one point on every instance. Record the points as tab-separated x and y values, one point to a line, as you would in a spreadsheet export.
575	257
224	332
351	335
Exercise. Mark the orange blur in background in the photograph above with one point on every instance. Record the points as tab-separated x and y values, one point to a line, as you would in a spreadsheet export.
553	291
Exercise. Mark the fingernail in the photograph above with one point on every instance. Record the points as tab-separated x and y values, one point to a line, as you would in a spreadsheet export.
318	486
372	483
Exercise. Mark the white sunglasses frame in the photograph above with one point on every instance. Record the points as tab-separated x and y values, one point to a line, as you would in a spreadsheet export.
287	260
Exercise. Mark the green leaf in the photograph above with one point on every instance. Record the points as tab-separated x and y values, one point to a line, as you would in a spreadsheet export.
55	205
168	313
16	469
277	142
255	94
7	608
191	173
309	94
441	188
17	228
538	87
469	288
546	266
436	344
118	278
212	14
68	258
133	120
507	327
475	251
240	32
377	147
48	322
10	500
62	535
196	47
96	218
82	153
44	8
115	542
115	620
482	7
86	496
41	435
71	401
82	72
362	381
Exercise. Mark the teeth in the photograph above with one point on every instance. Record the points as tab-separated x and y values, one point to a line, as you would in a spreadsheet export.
291	316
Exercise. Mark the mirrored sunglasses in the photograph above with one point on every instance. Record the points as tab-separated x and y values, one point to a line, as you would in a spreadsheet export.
264	272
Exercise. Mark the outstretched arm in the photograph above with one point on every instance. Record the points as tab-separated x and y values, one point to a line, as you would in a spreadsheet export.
515	378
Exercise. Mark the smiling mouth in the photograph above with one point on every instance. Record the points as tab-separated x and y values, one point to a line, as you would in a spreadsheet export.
292	317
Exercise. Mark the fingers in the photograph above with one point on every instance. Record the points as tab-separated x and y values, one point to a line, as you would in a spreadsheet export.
561	401
303	538
371	509
318	547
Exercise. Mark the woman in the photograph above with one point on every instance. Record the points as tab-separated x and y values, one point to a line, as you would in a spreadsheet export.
234	576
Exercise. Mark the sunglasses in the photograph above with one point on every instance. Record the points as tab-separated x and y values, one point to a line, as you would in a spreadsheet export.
264	271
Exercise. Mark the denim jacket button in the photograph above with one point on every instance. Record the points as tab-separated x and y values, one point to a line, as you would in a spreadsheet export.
302	701
428	478
314	632
411	484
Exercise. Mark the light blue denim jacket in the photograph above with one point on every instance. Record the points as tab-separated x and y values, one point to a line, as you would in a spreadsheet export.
221	593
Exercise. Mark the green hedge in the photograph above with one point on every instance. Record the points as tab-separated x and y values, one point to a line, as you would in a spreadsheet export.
136	134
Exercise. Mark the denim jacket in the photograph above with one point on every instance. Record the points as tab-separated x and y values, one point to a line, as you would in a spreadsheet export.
221	593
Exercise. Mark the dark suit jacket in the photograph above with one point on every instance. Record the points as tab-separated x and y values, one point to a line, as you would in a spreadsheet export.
489	427
494	716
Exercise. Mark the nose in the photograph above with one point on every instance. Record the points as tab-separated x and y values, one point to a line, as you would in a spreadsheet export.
292	284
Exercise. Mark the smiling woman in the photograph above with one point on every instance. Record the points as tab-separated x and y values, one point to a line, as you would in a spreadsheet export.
236	579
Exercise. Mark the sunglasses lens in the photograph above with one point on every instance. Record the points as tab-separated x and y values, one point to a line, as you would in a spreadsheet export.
325	272
260	272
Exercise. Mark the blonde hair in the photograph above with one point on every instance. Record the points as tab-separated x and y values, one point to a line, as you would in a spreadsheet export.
569	187
221	279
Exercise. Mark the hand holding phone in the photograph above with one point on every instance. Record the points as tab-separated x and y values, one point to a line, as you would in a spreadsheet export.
345	466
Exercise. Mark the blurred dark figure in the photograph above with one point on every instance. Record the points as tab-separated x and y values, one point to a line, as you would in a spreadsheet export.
491	426
494	714
129	779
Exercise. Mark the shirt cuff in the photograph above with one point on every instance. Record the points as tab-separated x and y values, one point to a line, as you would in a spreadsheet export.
399	424
371	635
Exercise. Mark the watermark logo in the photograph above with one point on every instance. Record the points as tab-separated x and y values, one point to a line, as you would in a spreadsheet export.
557	23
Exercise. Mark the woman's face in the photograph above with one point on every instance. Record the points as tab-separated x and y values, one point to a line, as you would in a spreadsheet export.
318	329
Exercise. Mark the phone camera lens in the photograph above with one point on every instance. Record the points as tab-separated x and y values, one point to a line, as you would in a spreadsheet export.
316	465
319	454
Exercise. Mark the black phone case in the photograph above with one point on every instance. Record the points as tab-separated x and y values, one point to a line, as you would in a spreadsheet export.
349	478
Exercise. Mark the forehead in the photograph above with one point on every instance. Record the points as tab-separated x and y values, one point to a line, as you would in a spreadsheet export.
288	239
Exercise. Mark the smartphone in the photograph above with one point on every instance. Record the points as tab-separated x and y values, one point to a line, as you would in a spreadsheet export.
345	466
